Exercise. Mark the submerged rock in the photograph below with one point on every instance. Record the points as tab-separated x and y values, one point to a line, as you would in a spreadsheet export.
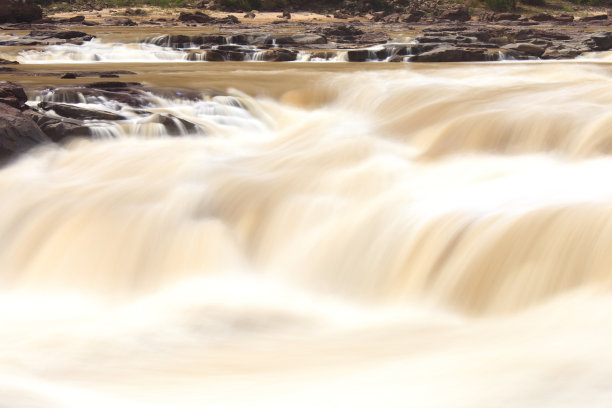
76	112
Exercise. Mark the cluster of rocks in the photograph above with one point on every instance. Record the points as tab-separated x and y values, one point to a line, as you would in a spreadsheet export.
23	127
49	37
490	43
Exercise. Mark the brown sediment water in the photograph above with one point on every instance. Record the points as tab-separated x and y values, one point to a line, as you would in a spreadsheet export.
347	235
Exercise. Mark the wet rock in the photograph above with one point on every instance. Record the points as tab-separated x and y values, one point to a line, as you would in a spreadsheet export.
62	35
280	55
324	55
175	126
136	12
412	17
340	30
286	15
58	129
18	133
453	54
540	17
19	11
119	21
308	39
597	17
505	17
456	13
562	51
130	94
8	62
69	75
108	75
374	37
391	18
526	48
214	56
76	112
565	18
250	14
341	15
358	55
600	41
13	95
229	19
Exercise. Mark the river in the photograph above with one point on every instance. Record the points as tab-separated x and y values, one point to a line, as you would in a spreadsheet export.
334	234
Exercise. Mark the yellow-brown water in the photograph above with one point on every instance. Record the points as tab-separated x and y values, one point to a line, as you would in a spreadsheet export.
419	236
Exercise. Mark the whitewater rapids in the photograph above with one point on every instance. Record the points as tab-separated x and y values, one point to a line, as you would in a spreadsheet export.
427	237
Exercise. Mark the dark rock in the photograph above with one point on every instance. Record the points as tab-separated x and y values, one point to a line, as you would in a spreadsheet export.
250	14
69	75
597	17
75	19
526	48
600	41
391	18
341	16
76	112
18	132
374	37
453	54
565	18
62	35
456	13
119	21
19	11
229	19
137	12
562	51
175	126
58	129
12	94
7	62
307	39
280	55
214	56
340	30
108	75
505	17
358	55
286	15
542	17
412	17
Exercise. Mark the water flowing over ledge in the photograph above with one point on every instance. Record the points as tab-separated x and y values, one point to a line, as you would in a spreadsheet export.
427	236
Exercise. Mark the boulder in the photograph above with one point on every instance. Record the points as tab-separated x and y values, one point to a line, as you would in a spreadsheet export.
505	17
540	17
453	54
19	11
308	39
13	95
58	129
358	55
18	132
374	37
526	48
119	21
562	51
456	13
280	55
597	17
600	41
